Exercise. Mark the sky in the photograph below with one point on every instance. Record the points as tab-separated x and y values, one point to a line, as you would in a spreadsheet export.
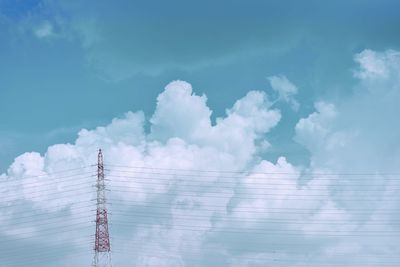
234	133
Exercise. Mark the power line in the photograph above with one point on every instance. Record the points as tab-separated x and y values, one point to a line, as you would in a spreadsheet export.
216	219
49	213
252	172
42	255
270	259
266	210
233	220
236	196
37	197
39	231
289	249
258	182
235	193
51	173
272	232
32	186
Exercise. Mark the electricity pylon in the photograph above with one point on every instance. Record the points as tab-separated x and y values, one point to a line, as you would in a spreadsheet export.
102	253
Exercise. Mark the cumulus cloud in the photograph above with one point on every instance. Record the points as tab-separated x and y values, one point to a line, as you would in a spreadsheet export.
180	113
358	134
285	89
184	115
181	137
316	132
376	65
192	192
362	127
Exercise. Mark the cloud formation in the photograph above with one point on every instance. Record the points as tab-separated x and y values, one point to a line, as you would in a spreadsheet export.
285	89
362	127
377	65
44	30
194	192
181	137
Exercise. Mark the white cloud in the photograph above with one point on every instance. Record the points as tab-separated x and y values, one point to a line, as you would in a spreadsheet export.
128	130
181	137
180	113
285	89
27	164
316	131
44	30
183	115
363	127
168	217
358	134
376	65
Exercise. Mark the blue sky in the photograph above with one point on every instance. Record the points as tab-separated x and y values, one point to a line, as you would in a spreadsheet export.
301	87
99	61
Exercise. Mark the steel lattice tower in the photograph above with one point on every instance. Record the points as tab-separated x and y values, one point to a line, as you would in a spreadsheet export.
102	254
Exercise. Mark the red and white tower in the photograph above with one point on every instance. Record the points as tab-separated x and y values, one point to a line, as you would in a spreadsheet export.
102	254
